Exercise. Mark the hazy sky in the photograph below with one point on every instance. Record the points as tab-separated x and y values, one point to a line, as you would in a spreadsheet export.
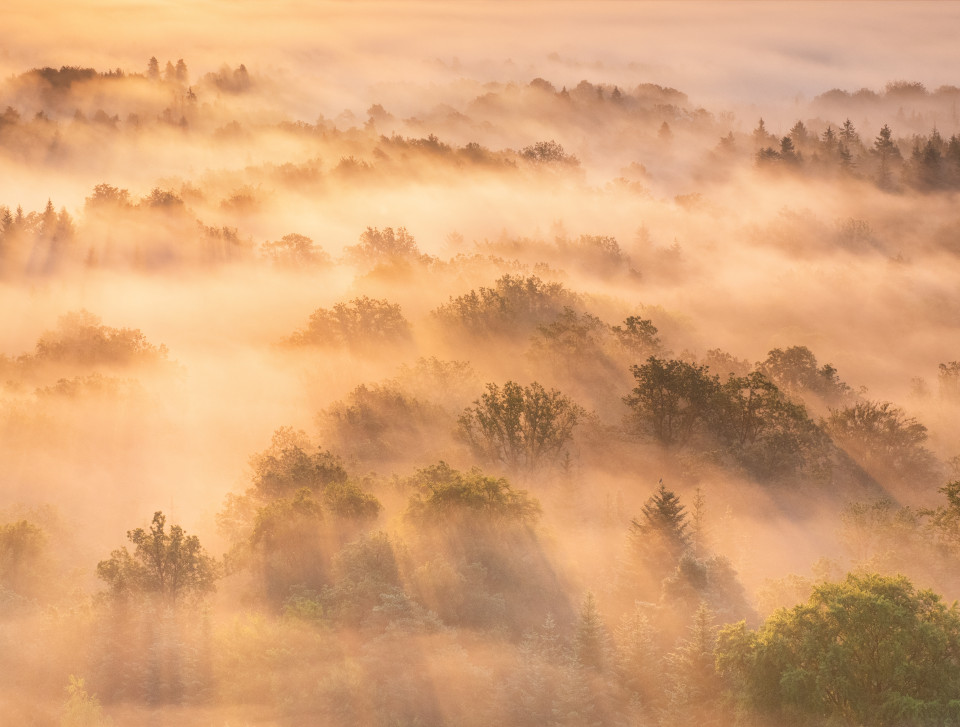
734	52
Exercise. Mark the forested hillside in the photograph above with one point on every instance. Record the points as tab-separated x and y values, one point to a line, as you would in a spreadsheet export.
491	397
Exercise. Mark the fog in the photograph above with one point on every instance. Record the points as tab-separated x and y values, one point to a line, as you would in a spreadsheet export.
482	357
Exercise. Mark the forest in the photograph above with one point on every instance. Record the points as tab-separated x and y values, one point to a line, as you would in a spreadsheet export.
468	391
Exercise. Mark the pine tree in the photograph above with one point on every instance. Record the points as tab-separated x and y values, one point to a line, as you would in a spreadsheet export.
181	72
799	135
788	151
829	141
846	159
886	152
664	518
698	534
694	683
590	642
658	539
636	656
761	137
849	135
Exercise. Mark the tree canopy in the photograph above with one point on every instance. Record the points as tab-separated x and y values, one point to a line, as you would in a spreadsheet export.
520	426
868	650
166	563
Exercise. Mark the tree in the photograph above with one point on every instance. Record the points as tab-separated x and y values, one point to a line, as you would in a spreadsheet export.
81	708
80	338
153	69
849	135
287	541
868	650
883	440
386	247
828	140
886	151
658	538
168	564
694	691
515	305
636	654
800	136
672	399
548	153
521	426
22	549
945	519
573	345
767	433
794	370
445	493
295	251
278	526
788	152
638	336
181	73
761	137
286	466
362	325
590	642
949	380
105	195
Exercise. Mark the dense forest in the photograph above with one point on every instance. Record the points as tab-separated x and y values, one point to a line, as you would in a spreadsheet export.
499	402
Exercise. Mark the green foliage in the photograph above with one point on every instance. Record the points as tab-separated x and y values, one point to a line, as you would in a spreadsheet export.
288	541
523	427
572	338
446	495
107	196
710	582
868	650
638	336
364	325
945	519
548	153
884	441
672	399
363	571
152	653
882	535
949	380
693	694
575	349
601	254
794	370
347	500
380	423
168	564
286	466
82	709
591	642
22	548
659	536
769	435
81	339
516	305
437	381
637	660
385	248
475	558
681	403
278	526
294	251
